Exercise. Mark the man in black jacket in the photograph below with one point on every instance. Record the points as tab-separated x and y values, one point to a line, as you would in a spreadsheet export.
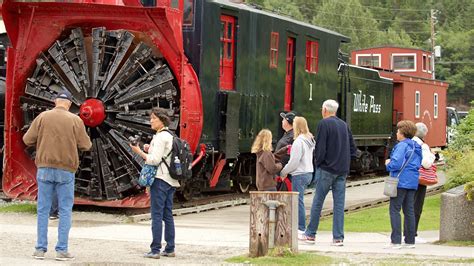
287	139
281	152
332	157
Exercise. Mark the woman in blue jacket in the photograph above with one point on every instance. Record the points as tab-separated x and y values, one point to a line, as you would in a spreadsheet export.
404	162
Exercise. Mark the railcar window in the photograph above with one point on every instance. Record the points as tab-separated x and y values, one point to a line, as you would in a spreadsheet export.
435	105
372	60
312	56
404	62
274	49
226	39
429	64
175	3
188	14
417	104
148	2
424	63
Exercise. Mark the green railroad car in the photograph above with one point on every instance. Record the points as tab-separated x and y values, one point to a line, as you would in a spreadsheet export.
253	64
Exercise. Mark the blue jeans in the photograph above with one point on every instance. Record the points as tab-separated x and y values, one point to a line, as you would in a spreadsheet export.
405	200
53	182
326	181
161	194
299	184
54	206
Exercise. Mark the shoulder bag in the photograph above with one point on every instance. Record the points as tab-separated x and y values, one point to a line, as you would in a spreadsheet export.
147	175
428	176
391	183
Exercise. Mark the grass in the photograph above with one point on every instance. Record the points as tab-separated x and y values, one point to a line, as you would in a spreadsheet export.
21	207
378	219
286	259
456	243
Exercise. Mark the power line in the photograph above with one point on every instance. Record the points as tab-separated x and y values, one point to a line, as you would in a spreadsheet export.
386	8
354	29
280	12
455	62
379	19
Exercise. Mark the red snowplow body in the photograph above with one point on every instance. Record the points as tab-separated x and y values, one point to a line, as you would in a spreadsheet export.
33	27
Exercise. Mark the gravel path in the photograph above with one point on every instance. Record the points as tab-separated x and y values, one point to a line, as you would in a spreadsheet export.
18	237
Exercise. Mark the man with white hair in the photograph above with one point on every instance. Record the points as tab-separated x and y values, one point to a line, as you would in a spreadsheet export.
332	157
427	160
57	135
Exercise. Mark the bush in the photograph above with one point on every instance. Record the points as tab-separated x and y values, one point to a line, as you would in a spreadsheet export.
460	154
469	188
462	172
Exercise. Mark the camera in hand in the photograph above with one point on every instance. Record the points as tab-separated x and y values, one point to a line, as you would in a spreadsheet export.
134	140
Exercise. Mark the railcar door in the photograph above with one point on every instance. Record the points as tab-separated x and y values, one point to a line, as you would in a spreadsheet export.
227	55
290	65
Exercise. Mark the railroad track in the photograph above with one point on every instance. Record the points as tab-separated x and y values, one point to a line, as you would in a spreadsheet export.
215	202
231	200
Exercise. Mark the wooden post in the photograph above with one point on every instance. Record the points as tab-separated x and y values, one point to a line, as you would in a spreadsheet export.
286	231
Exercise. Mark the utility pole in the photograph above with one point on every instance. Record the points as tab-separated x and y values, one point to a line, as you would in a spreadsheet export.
433	20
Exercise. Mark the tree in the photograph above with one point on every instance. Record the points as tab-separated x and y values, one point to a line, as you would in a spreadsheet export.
351	19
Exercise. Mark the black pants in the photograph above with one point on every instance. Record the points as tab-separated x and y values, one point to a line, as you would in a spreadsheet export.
419	201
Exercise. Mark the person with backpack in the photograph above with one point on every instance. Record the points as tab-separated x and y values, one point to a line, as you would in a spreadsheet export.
267	168
163	187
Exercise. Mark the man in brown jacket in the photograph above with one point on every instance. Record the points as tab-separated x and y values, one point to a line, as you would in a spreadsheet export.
57	135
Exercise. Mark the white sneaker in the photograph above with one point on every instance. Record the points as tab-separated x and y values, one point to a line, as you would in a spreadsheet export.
393	246
420	240
300	234
408	246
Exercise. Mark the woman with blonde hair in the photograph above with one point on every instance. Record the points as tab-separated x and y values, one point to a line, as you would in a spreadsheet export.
300	165
267	168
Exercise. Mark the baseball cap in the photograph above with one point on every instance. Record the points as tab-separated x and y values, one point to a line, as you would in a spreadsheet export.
290	116
64	94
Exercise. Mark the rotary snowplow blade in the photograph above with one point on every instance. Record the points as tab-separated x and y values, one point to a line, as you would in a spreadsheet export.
118	62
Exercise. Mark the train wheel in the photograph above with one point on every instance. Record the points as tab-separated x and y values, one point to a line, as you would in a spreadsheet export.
115	78
244	187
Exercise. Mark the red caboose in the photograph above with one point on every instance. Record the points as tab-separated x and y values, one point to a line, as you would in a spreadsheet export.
417	96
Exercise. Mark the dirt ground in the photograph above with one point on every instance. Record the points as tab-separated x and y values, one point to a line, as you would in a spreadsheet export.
18	238
206	238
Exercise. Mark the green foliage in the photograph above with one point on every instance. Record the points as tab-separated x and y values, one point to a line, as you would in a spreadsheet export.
460	154
355	22
457	65
378	219
469	188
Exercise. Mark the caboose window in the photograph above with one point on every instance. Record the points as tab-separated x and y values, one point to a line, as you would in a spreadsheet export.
312	56
430	64
424	63
274	50
372	60
435	107
404	62
417	104
188	13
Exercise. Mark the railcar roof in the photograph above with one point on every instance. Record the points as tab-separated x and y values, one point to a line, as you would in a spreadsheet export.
245	6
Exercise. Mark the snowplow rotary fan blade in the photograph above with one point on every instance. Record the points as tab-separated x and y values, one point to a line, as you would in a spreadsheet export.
114	79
